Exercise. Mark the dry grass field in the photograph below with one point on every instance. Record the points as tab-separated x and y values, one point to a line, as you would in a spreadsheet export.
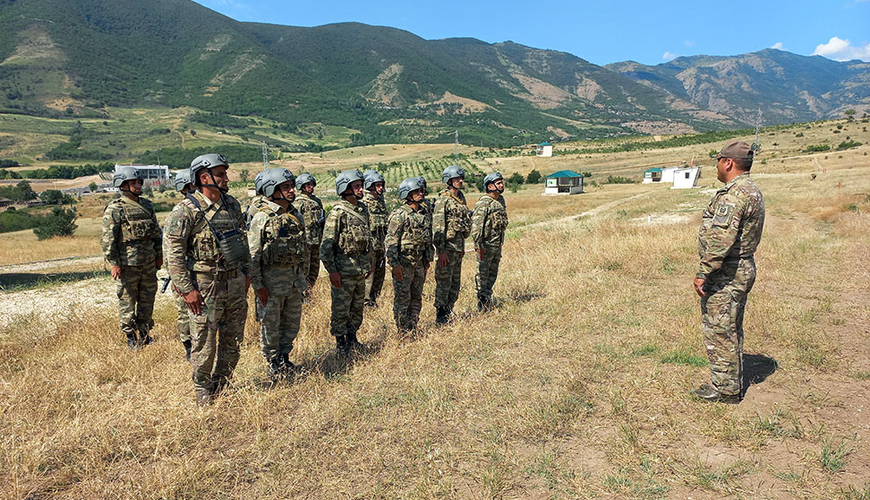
575	386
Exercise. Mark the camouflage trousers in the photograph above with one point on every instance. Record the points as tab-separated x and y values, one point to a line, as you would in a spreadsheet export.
375	281
487	272
217	332
182	322
311	258
137	288
408	297
722	323
347	305
448	280
280	317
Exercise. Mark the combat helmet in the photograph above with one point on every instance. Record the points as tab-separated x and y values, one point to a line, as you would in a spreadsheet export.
344	180
268	180
409	185
452	172
371	177
490	178
182	179
208	161
126	173
304	179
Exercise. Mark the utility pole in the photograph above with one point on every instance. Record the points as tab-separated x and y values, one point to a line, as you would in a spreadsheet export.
756	145
265	156
456	147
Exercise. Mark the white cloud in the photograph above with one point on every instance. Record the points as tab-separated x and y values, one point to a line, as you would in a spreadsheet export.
689	43
843	50
777	46
668	56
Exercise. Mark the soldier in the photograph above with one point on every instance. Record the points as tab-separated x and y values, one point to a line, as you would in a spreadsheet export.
488	223
312	210
410	251
182	322
277	242
451	224
346	254
256	202
374	201
729	235
131	245
210	264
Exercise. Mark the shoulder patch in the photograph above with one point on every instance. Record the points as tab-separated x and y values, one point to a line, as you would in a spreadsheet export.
722	215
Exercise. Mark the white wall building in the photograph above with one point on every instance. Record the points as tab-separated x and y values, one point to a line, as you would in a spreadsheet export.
156	174
564	182
544	149
687	177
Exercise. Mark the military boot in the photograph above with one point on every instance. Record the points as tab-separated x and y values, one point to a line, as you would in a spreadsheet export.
484	305
219	384
442	316
354	344
342	345
276	369
144	336
710	394
289	367
187	347
204	397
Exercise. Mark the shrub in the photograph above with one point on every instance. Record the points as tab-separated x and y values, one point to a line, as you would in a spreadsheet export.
61	222
534	177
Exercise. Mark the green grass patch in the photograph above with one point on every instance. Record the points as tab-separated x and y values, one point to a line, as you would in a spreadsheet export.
684	357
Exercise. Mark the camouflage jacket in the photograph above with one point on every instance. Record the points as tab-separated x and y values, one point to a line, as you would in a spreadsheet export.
277	240
409	236
254	205
192	246
451	222
131	234
489	222
312	211
731	225
377	218
347	240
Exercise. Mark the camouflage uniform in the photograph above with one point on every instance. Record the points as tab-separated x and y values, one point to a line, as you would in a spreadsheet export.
488	224
347	249
277	242
451	224
409	244
378	224
730	232
131	239
197	262
312	210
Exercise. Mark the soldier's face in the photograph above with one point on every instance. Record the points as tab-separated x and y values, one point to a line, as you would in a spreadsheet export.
416	195
457	182
498	185
722	167
378	187
307	188
135	186
356	188
288	189
220	177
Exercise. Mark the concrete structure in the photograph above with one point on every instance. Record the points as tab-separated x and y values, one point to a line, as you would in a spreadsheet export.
564	182
686	177
544	149
668	173
153	174
652	175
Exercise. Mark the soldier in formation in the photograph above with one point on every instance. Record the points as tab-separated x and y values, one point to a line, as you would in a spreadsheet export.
314	217
488	224
374	201
730	232
346	252
409	251
210	263
183	185
131	242
277	241
451	224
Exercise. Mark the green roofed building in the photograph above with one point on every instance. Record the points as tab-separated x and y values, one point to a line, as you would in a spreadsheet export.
652	175
564	182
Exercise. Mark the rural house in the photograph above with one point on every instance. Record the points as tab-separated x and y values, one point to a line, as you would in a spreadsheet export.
564	182
652	175
686	177
544	149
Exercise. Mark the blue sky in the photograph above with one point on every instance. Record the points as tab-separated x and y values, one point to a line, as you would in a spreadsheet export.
599	31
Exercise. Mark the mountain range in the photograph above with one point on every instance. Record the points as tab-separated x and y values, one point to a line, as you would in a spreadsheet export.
80	57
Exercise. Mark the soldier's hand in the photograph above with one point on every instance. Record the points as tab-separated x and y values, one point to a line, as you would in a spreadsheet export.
159	263
194	301
371	269
480	253
442	259
699	287
335	279
116	272
263	295
399	273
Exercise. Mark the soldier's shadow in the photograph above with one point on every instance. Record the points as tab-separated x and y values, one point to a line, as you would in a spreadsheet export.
756	369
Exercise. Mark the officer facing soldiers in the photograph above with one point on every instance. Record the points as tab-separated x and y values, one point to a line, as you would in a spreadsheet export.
210	264
277	242
409	251
373	199
312	211
346	254
131	245
183	185
488	223
729	235
451	224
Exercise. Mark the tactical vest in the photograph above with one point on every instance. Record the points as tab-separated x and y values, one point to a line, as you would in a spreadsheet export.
284	239
137	222
205	249
416	234
458	217
354	236
313	216
377	216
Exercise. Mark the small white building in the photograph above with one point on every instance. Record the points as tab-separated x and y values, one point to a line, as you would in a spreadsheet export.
668	173
652	175
544	149
156	174
564	182
686	177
